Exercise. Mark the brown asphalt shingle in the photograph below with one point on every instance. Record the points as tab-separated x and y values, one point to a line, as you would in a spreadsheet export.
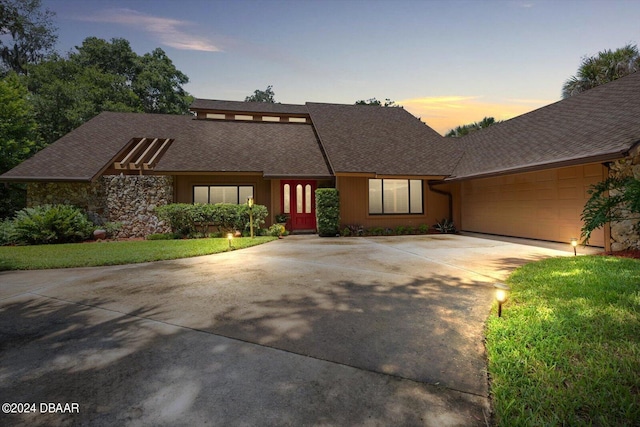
599	123
199	145
381	140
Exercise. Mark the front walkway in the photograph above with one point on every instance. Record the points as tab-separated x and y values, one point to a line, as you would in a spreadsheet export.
305	330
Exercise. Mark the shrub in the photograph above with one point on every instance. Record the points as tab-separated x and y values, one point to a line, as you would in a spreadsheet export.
346	232
7	232
189	220
445	226
400	230
277	230
327	211
376	231
52	224
423	229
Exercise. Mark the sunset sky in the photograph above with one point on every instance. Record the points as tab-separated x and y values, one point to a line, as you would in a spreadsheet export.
447	62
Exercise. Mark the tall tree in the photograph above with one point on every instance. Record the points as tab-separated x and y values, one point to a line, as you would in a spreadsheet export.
104	76
27	34
604	67
266	95
376	103
467	129
18	138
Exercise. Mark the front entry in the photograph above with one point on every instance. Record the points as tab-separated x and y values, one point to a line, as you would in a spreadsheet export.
299	202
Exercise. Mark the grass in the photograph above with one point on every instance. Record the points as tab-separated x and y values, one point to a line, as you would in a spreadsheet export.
567	349
114	253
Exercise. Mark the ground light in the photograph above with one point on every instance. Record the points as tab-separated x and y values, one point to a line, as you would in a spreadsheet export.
501	295
574	243
230	238
250	203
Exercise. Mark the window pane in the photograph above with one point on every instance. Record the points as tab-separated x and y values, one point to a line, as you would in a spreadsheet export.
286	193
227	194
200	194
375	196
416	195
307	198
245	193
299	198
395	196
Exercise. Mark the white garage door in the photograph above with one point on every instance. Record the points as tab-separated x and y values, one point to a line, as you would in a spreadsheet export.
542	205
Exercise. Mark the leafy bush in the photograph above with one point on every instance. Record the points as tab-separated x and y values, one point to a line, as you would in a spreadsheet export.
188	220
52	224
423	229
612	200
328	211
7	232
346	232
445	226
277	230
376	231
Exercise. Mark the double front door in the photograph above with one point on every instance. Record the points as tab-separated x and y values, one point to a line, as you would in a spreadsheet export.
299	202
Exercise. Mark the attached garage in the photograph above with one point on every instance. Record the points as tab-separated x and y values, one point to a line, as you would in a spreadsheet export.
544	205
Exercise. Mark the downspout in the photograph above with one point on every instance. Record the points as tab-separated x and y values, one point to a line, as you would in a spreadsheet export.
444	193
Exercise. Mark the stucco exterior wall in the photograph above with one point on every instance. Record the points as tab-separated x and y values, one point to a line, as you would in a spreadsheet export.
127	199
623	233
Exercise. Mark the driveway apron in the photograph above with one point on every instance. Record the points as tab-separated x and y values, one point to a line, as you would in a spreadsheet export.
300	331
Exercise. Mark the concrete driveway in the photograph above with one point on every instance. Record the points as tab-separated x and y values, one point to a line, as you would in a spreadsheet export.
300	331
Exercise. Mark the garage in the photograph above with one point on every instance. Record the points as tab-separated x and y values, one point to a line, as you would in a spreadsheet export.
545	204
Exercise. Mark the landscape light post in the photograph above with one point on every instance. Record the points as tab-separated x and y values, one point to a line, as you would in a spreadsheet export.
501	295
574	243
229	238
250	203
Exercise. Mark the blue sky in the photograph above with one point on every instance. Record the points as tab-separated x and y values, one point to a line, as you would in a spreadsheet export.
448	62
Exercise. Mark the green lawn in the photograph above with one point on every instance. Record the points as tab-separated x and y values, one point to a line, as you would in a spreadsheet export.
114	253
567	349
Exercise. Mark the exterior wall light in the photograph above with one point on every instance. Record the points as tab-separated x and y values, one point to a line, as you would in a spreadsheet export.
250	204
574	243
501	295
230	238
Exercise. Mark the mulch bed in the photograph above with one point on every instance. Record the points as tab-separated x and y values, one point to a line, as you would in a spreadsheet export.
629	253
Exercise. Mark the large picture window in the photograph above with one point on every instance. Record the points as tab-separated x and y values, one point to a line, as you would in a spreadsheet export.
213	194
395	196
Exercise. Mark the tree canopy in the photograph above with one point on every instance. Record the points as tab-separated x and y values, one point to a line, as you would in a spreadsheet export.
604	67
266	95
467	129
376	103
104	76
27	34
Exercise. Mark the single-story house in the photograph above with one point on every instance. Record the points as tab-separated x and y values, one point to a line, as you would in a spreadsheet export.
525	177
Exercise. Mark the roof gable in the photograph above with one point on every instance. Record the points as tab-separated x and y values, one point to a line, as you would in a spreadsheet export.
381	140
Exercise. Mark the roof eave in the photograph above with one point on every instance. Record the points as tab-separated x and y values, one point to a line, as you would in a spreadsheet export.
597	158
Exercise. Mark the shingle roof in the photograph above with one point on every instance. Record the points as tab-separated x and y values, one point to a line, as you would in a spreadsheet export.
248	107
381	140
599	124
199	145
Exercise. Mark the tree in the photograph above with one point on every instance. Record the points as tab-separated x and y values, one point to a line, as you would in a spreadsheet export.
27	34
614	199
374	102
104	76
467	129
18	139
266	95
605	67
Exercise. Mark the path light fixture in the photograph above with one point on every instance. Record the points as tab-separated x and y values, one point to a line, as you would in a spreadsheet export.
574	243
501	295
230	238
250	204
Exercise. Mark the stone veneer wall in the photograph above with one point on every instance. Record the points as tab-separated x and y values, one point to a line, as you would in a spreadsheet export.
127	199
623	233
131	200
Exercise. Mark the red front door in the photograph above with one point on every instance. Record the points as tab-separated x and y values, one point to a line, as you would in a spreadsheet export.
299	202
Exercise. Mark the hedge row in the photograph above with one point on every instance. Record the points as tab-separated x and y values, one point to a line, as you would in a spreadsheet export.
187	219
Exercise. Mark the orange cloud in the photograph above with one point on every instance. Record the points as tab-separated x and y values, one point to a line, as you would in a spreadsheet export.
443	113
